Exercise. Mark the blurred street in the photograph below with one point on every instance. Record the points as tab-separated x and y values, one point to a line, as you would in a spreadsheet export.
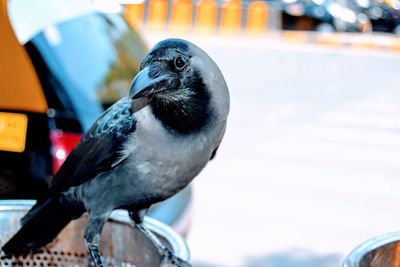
310	166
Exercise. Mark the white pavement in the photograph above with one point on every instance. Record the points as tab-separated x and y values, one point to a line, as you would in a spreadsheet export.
310	166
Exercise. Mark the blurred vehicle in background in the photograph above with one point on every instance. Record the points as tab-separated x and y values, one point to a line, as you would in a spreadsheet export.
63	63
384	15
320	15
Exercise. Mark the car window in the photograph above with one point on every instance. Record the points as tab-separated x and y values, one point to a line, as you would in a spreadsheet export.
86	63
30	17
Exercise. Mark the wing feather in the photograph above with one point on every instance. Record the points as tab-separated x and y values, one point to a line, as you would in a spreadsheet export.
99	149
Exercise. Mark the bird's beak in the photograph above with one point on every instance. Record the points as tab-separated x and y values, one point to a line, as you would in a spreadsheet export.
143	85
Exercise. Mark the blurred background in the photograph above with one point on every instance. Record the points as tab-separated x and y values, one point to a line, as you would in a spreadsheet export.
310	164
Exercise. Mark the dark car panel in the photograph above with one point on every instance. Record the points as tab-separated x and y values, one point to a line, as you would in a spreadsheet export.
24	175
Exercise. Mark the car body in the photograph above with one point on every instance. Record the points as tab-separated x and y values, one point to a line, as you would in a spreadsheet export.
64	62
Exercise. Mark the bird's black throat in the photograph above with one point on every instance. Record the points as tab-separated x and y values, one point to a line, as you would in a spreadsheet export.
185	117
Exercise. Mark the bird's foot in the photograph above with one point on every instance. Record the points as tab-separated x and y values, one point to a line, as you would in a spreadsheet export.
168	259
153	239
94	253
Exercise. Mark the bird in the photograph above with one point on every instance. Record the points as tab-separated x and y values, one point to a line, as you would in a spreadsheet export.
143	149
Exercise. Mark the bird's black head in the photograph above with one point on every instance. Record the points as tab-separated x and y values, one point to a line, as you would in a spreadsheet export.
174	81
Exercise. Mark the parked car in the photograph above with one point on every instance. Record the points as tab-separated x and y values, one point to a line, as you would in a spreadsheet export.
63	62
319	15
384	15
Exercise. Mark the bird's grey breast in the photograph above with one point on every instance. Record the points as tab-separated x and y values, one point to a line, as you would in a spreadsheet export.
164	162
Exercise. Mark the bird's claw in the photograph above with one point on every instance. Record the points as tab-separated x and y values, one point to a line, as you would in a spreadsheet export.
94	253
168	259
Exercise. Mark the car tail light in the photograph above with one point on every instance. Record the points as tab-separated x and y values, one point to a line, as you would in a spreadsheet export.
62	144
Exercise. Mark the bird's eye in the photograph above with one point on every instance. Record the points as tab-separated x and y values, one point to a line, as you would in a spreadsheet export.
179	63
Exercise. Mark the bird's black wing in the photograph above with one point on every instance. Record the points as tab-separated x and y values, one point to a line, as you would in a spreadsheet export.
99	149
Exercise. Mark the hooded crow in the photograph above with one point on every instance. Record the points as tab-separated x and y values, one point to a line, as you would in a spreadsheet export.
142	150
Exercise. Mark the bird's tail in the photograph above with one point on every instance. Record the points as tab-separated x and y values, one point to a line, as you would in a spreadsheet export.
42	224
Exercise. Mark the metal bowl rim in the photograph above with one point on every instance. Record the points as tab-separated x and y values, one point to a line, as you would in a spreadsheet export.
355	256
178	245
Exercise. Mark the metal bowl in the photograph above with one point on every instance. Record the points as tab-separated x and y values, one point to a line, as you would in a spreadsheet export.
382	251
120	245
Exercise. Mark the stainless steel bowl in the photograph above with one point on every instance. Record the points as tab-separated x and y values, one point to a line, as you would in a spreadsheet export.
381	251
121	244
